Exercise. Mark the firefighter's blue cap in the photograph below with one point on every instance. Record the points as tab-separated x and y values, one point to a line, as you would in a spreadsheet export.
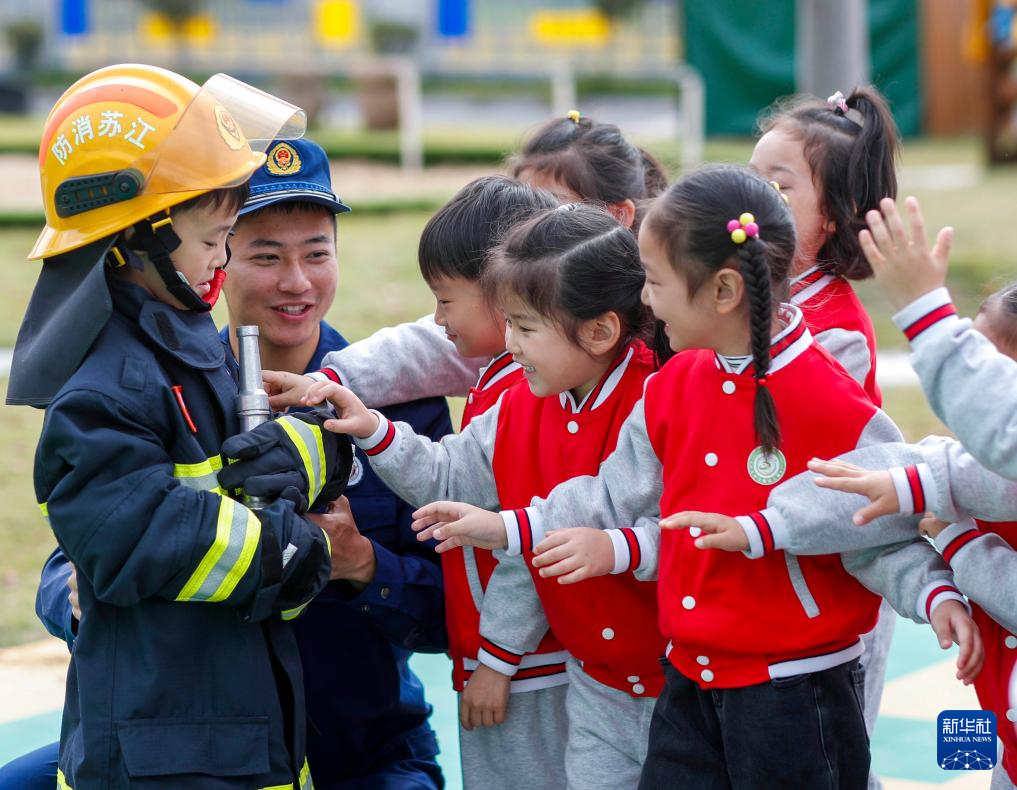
295	170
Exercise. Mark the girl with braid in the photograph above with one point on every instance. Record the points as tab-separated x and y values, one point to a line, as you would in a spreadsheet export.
569	281
762	663
834	160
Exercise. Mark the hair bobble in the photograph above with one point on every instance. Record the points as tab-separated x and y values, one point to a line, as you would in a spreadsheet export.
838	102
742	228
574	116
764	380
776	186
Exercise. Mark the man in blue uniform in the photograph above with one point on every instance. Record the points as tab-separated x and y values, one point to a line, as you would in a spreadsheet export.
367	714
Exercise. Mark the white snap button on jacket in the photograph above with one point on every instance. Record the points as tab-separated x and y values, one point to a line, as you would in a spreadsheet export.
1010	641
633	678
607	633
728	387
706	675
702	660
711	459
689	602
1011	714
695	532
573	426
639	688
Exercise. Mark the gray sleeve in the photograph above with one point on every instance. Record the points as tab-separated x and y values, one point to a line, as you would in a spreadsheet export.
970	385
404	362
850	349
906	574
963	488
806	519
627	486
420	470
512	616
986	571
650	528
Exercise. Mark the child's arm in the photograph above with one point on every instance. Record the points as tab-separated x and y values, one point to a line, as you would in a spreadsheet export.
52	605
136	526
967	381
919	585
583	552
985	569
627	487
414	467
937	475
402	363
512	619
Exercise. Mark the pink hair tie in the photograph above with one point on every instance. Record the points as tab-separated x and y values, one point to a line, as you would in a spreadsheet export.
838	102
742	228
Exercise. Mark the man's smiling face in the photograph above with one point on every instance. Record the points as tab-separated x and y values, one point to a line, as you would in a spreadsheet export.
283	274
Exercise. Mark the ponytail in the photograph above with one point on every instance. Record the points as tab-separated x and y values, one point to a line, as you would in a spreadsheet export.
852	147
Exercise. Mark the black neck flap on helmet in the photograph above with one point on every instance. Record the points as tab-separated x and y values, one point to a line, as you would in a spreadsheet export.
156	238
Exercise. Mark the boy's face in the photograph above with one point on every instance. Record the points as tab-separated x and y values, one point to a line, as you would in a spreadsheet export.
476	328
283	275
203	234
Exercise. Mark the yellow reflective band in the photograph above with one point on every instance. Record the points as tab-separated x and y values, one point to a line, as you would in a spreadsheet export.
304	782
62	781
328	543
44	507
293	614
202	476
305	436
238	532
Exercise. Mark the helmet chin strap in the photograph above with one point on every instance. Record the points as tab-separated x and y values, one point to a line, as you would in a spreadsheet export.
157	239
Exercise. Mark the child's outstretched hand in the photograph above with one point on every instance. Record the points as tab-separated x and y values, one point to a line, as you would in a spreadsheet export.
905	267
952	623
876	486
353	417
930	526
574	554
718	532
484	699
455	524
284	389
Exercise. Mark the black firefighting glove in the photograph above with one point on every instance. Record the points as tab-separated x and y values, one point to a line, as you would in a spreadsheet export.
292	457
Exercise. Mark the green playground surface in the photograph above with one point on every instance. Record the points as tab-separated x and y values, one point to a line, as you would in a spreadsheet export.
903	747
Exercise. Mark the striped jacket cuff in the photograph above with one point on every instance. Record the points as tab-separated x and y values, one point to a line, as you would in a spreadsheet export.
524	529
631	549
766	532
383	440
916	489
936	592
955	538
498	658
924	313
326	374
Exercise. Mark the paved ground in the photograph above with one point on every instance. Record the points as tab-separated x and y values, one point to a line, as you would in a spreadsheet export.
920	684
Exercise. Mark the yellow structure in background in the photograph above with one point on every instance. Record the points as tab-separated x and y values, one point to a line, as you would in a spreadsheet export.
579	27
198	30
337	22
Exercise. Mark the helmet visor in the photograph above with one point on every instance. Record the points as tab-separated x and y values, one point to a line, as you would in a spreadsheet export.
220	138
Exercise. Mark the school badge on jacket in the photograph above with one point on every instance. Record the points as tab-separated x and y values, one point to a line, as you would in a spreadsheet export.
766	468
